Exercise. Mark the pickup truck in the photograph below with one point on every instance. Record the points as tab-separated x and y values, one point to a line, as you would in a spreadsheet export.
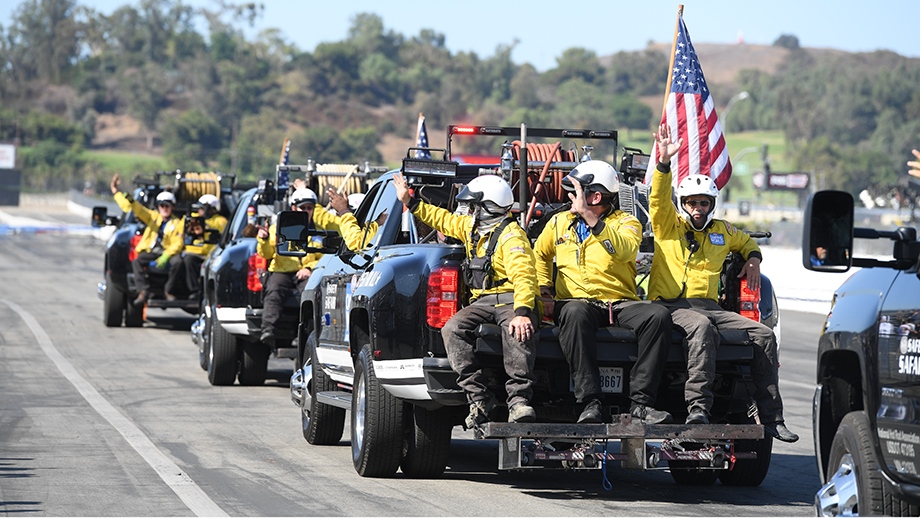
867	401
117	289
370	343
230	317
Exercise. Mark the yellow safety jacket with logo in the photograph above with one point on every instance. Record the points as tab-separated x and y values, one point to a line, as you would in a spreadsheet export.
347	226
602	267
215	222
673	263
280	263
171	242
512	259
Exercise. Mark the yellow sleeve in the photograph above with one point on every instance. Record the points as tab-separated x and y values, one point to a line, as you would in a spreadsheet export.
266	247
544	251
446	222
661	209
218	223
518	260
741	242
622	241
143	213
324	220
351	231
173	240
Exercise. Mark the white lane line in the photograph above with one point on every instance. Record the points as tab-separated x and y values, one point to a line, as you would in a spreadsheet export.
184	487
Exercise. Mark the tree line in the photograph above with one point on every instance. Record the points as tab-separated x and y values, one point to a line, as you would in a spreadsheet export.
222	100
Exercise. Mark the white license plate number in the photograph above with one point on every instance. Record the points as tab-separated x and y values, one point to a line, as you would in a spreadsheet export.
611	380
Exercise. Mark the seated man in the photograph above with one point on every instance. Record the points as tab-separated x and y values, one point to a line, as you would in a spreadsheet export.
499	270
288	275
595	246
690	250
162	239
195	254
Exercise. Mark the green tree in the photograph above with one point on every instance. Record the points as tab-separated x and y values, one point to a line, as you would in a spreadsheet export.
193	139
145	90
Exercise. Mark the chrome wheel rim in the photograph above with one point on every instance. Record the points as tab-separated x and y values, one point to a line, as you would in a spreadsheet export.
840	496
358	416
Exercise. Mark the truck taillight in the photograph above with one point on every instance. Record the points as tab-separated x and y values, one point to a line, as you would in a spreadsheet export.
132	253
443	291
256	268
750	302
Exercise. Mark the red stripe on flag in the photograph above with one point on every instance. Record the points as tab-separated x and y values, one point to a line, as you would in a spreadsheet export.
683	159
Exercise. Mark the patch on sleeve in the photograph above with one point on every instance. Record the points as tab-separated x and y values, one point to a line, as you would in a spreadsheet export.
609	246
717	239
519	249
631	227
729	228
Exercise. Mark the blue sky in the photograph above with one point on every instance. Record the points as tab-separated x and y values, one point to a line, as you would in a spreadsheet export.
545	29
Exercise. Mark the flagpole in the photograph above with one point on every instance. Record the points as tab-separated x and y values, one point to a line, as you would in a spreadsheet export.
418	126
667	88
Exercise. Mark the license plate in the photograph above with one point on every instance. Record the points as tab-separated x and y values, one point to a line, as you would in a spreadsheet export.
611	380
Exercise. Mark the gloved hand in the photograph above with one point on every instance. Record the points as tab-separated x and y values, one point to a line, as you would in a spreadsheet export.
163	260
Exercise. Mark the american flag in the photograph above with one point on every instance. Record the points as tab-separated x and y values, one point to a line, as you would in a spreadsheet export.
691	115
284	177
421	138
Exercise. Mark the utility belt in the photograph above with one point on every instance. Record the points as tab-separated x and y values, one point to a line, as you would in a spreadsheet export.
494	299
605	305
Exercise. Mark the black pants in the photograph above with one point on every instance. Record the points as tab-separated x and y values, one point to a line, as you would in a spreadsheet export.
278	287
192	264
578	321
143	261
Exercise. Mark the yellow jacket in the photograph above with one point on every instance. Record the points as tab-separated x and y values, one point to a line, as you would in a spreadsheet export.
280	263
602	267
672	252
215	222
347	226
172	241
512	259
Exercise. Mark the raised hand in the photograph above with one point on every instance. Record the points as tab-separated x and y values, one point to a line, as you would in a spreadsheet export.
666	147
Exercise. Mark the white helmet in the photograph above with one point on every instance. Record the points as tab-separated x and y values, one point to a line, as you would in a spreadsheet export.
491	191
594	176
302	196
210	199
693	185
166	197
354	200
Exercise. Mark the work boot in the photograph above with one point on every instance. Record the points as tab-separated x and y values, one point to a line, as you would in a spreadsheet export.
779	431
521	413
268	338
697	416
479	412
649	415
141	298
593	412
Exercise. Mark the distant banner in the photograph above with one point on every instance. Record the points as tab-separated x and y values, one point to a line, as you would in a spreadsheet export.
788	181
7	156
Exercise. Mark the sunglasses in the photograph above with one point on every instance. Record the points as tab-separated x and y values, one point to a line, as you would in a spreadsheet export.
701	203
165	205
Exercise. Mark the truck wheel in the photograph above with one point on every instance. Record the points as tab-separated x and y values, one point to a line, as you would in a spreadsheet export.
688	473
376	422
224	354
853	486
427	442
113	306
254	366
134	315
750	472
322	424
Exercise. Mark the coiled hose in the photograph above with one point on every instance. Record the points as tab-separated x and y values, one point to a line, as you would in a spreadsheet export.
193	186
539	190
341	182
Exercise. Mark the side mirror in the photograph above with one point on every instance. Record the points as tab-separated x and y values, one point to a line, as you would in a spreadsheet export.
101	218
827	236
295	238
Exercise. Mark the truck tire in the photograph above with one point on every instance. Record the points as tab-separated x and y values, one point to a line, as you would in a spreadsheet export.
427	442
376	422
134	315
750	472
894	506
853	483
254	364
224	354
113	306
688	473
323	425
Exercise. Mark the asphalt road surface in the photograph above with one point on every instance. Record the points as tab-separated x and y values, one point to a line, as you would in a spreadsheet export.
116	421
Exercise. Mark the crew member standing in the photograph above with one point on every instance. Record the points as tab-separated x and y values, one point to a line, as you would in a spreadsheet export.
287	275
162	239
595	246
499	270
690	249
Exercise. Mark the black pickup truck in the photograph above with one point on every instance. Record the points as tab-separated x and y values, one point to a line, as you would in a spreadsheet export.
117	289
867	401
370	343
